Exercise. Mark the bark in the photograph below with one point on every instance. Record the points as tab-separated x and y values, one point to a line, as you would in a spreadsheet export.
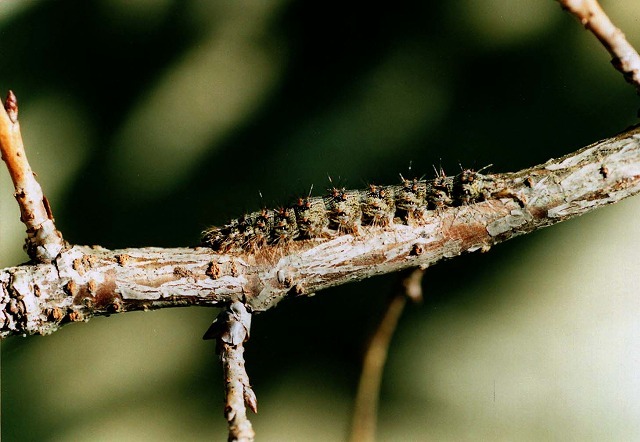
86	281
44	242
625	58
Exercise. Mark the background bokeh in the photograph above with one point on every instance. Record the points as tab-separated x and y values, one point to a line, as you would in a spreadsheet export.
148	120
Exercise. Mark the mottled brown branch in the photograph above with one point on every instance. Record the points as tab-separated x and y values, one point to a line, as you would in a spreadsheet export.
363	427
592	16
44	242
231	330
86	281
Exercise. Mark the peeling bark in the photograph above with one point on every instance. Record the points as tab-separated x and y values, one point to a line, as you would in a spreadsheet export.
86	281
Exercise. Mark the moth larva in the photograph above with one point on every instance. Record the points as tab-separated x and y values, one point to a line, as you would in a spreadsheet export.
344	211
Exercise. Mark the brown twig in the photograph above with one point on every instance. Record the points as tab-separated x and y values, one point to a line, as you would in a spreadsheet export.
230	330
592	16
44	242
363	427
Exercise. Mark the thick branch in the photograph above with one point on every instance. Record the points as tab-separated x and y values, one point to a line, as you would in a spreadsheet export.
83	281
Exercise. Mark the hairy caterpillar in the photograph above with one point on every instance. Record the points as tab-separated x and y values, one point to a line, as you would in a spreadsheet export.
344	211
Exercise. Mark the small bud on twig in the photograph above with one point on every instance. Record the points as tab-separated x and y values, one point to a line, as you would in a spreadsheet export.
11	106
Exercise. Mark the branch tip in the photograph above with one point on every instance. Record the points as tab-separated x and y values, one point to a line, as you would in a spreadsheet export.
250	398
591	15
11	106
412	285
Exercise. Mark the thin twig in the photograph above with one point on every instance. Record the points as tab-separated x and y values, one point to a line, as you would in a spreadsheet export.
363	427
231	329
44	242
592	16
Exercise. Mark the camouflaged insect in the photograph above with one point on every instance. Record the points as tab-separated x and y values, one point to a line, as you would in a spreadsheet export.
378	206
440	191
285	226
311	217
344	211
411	199
470	186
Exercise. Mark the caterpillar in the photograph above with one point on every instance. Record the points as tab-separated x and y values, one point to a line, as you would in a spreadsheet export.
343	211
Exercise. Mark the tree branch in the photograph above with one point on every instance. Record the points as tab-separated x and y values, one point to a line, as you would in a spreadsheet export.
231	330
592	16
363	426
86	281
44	242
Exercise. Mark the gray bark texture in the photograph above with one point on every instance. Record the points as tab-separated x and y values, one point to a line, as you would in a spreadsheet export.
86	281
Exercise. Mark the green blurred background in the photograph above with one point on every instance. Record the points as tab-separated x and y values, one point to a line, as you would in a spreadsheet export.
149	120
